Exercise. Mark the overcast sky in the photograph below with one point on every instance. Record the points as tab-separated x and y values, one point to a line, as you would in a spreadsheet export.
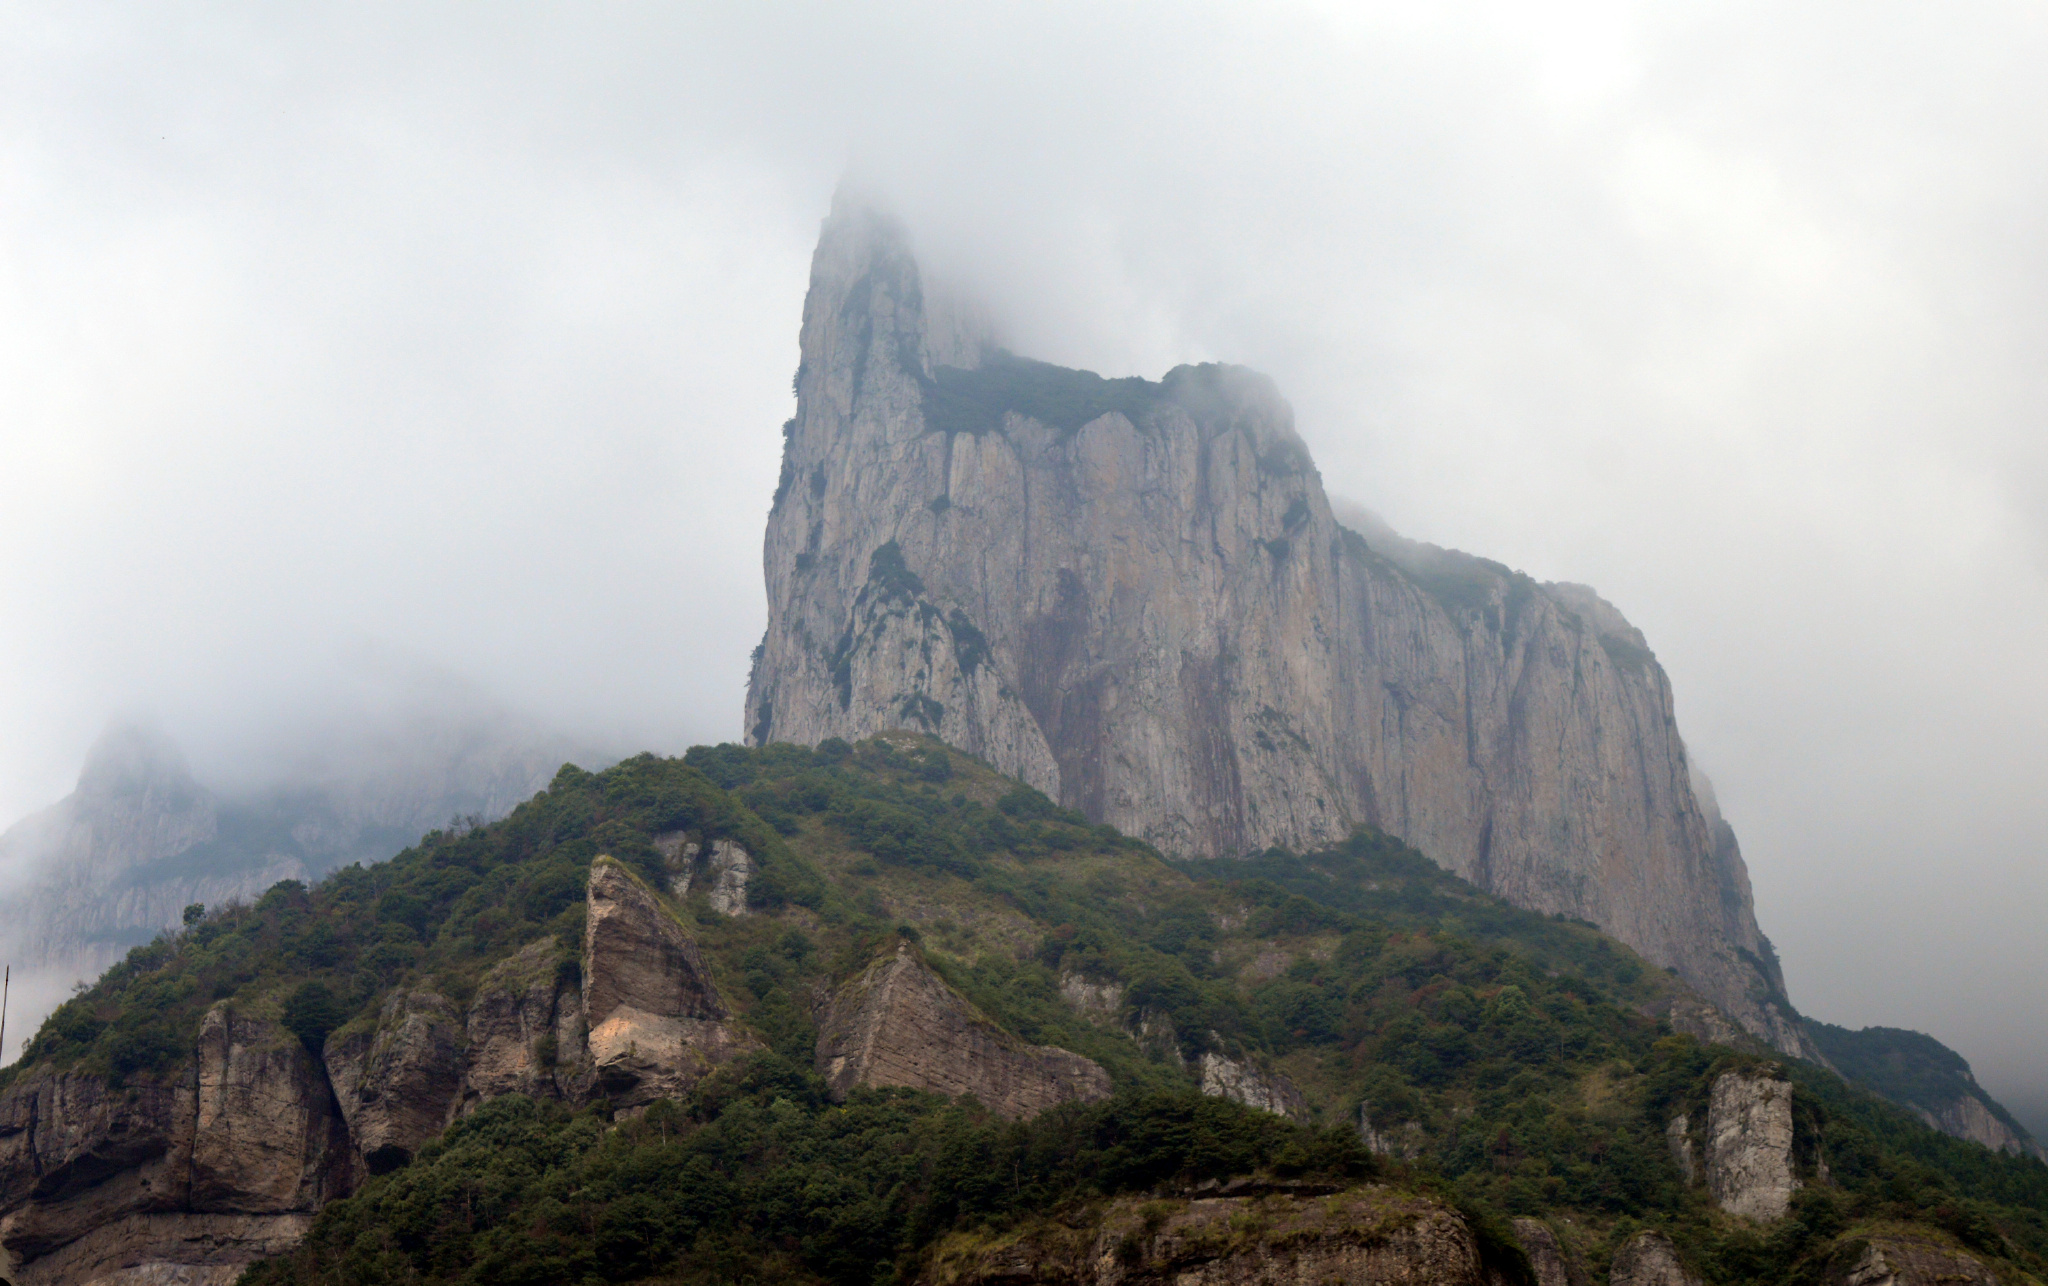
461	335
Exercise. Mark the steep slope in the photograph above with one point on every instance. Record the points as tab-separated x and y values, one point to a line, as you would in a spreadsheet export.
1134	596
1916	1070
196	1107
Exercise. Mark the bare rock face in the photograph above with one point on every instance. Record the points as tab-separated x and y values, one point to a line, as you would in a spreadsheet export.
1548	1259
398	1082
656	1021
1365	1235
898	1023
1648	1259
1900	1260
1245	1082
1100	1001
524	1027
266	1137
1968	1117
1135	597
1749	1145
185	1183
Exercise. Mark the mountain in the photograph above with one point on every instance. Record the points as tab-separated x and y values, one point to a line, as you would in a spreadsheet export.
1916	1070
117	861
1135	596
877	1013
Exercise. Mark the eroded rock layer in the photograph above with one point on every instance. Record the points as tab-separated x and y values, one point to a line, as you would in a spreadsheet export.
898	1023
1135	596
1366	1235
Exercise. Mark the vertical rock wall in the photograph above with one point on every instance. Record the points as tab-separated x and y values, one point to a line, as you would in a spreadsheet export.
1135	596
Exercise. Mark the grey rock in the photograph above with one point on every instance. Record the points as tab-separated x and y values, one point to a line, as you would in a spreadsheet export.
1749	1144
1648	1259
1243	1081
656	1022
1548	1259
1684	1151
1402	1139
1155	617
898	1023
400	1081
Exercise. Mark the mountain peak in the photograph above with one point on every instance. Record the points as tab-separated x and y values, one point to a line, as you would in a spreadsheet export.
135	758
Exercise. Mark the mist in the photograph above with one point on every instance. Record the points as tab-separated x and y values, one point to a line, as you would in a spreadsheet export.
385	331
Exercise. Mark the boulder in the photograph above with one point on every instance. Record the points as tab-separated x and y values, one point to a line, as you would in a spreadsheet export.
898	1023
1648	1259
656	1021
1547	1257
398	1082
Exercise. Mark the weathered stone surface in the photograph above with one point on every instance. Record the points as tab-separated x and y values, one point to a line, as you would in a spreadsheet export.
167	1249
1365	1235
1155	617
898	1023
1548	1260
399	1082
1904	1260
1100	1001
1242	1081
1648	1259
524	1027
656	1021
1968	1117
266	1139
165	1180
1749	1144
728	870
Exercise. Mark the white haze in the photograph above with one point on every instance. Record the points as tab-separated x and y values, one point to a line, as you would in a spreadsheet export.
464	335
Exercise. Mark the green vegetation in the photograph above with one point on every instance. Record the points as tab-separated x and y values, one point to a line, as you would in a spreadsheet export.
1904	1066
964	401
1508	1055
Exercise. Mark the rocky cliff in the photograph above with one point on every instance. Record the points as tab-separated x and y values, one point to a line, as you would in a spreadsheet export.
1135	596
1744	1156
190	1181
898	1023
1365	1235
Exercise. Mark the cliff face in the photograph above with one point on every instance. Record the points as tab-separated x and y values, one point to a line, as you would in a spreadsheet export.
1368	1235
1135	596
898	1023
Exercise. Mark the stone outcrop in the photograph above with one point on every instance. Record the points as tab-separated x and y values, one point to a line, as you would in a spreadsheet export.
1749	1167
898	1023
1685	1150
525	1027
1899	1259
1100	1002
177	1183
1242	1081
656	1023
1549	1261
1135	596
398	1082
1648	1259
266	1137
1366	1235
1967	1116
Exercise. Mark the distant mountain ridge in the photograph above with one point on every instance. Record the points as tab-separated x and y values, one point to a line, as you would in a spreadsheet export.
1919	1072
118	860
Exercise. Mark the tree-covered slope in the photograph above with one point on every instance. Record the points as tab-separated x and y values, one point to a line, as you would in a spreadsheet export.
1505	1062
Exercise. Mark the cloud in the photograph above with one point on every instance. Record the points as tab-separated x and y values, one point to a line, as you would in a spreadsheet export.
332	328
